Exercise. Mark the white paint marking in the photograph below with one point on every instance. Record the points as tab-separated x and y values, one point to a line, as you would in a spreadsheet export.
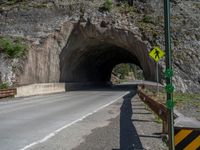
64	127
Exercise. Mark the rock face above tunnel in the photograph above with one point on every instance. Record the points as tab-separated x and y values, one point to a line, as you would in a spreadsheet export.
93	51
68	40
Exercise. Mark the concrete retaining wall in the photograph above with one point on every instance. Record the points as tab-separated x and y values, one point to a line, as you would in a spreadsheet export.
38	89
47	88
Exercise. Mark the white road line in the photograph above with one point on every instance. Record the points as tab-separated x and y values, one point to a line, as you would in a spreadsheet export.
64	127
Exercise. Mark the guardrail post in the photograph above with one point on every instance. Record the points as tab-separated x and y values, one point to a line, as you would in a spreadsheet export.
165	127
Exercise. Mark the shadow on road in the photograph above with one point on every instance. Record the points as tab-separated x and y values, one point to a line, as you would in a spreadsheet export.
129	139
98	87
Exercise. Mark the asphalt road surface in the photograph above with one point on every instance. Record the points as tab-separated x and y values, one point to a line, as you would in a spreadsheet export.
26	122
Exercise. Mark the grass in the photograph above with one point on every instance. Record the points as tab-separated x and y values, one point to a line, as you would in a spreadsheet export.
183	98
22	4
158	119
186	98
4	86
12	2
179	98
126	8
182	101
148	19
40	5
13	49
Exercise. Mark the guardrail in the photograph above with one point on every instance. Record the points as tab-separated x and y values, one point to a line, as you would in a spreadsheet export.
8	93
157	107
187	130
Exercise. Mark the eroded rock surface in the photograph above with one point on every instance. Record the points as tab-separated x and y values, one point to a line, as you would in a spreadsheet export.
72	41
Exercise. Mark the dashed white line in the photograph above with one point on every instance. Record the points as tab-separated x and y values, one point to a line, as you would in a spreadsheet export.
64	127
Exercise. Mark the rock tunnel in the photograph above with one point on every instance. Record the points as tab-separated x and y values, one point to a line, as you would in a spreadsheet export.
92	52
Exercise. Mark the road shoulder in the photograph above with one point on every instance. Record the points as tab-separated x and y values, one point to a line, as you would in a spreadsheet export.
125	124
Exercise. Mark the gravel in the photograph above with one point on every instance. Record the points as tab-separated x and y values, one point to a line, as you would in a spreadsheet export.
124	125
134	129
190	109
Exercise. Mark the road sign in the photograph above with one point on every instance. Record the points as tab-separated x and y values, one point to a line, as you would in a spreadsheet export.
187	139
156	54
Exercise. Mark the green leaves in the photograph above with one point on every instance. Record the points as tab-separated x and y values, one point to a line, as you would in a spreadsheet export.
4	85
11	48
107	6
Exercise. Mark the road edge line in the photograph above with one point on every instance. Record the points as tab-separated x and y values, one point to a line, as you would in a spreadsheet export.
68	125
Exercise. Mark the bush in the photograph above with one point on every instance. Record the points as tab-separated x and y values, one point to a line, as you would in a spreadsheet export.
148	19
11	48
126	8
107	6
12	2
4	86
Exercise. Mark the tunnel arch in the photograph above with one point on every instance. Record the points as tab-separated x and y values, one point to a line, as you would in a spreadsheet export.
92	52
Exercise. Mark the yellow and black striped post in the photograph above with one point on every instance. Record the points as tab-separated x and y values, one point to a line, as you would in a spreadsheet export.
187	139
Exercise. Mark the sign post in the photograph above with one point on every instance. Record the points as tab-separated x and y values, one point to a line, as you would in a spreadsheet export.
168	74
156	54
157	74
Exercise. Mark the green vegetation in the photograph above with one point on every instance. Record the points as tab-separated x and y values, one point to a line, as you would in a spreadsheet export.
157	119
148	30
197	5
126	8
107	6
11	2
128	70
121	70
13	49
181	98
22	4
4	86
183	101
40	5
186	98
148	19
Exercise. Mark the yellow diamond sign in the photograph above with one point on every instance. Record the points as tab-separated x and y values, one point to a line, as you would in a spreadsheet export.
156	54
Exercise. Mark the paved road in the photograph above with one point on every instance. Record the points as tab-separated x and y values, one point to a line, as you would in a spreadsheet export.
35	119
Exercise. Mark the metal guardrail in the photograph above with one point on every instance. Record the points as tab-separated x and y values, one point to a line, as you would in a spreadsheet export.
187	130
155	106
8	93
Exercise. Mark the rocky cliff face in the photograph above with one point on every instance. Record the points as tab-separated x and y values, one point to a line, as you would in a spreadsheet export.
61	36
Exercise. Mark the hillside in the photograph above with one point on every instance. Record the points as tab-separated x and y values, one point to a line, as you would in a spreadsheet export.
38	24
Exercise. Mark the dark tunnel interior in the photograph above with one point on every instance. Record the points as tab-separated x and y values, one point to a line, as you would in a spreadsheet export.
95	63
90	56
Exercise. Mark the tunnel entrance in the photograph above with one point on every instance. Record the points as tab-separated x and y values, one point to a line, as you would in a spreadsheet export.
96	63
90	55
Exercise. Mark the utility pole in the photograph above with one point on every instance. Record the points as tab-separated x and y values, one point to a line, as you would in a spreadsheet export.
168	74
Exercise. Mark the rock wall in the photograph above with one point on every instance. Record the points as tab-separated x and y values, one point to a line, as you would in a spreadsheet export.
53	29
